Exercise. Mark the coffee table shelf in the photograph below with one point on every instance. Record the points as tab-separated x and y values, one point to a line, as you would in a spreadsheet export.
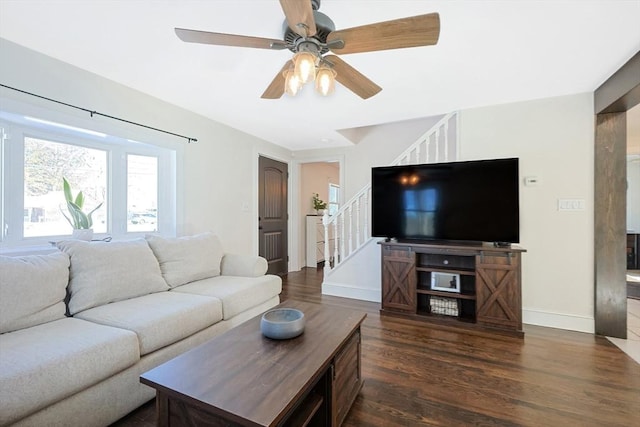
304	415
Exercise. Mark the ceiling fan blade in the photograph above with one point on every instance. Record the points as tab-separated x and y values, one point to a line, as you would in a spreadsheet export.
299	15
222	39
276	87
352	79
421	30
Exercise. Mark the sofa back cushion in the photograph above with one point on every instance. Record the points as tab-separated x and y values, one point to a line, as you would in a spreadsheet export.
104	272
32	290
186	259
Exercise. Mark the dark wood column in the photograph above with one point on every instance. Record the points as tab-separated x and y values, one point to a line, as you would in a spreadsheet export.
612	99
610	225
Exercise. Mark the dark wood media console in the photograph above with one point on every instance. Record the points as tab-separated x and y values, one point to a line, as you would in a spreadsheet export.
488	292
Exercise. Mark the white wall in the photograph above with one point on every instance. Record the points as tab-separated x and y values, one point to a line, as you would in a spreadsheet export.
359	277
554	140
212	190
379	146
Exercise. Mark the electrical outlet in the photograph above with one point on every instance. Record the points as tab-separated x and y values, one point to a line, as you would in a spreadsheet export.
571	204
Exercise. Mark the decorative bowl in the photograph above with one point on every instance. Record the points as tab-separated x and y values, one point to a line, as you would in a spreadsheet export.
282	323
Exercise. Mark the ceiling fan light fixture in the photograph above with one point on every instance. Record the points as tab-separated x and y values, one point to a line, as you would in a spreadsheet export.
292	83
305	66
325	80
310	35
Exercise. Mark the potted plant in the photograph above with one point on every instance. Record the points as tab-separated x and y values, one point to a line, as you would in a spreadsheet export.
80	221
318	204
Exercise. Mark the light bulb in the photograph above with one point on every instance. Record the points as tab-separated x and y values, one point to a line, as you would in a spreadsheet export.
325	81
292	83
305	66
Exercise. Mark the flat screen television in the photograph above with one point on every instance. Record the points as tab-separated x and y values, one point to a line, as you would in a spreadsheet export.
471	201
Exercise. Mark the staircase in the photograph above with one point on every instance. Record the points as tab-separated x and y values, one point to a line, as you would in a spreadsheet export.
347	233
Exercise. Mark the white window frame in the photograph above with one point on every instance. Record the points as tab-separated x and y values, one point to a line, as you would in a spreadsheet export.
336	202
117	149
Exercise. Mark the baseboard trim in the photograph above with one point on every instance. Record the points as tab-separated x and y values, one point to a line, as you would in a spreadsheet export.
549	319
346	291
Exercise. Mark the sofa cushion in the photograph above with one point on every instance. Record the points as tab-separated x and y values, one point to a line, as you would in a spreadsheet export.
236	293
49	362
104	272
243	265
32	290
185	259
159	319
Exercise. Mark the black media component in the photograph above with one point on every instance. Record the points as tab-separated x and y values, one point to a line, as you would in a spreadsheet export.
472	201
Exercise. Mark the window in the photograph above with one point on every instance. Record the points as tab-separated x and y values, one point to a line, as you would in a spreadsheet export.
142	193
45	163
334	194
123	175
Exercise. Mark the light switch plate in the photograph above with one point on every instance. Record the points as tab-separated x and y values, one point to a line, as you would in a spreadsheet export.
531	181
571	204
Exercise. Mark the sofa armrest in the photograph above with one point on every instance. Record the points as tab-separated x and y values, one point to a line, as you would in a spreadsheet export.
243	265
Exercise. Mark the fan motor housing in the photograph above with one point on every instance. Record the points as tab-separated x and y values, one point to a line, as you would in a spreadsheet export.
324	26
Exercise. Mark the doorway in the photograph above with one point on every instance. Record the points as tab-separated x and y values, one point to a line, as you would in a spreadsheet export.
633	204
272	214
633	225
322	180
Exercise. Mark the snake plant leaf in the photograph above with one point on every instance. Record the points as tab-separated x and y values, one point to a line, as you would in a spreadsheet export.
67	218
67	190
77	218
89	219
80	200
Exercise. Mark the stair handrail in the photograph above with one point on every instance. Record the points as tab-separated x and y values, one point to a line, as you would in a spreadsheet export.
435	129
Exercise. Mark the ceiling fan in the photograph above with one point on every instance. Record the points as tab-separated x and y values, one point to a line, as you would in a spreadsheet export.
311	34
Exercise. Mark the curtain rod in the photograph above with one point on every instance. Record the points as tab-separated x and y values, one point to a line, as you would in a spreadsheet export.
95	113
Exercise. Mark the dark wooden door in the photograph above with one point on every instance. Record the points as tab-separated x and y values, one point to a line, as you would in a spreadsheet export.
272	212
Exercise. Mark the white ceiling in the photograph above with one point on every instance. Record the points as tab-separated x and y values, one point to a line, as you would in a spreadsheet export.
489	52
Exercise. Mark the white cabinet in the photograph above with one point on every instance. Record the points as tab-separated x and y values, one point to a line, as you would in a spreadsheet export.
315	240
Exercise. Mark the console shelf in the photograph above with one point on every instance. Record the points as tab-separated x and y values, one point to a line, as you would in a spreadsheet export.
447	270
445	294
489	289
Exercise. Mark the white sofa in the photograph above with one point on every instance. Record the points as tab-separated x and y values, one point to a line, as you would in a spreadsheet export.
80	325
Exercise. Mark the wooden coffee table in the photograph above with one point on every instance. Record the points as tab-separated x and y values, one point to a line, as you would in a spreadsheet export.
242	378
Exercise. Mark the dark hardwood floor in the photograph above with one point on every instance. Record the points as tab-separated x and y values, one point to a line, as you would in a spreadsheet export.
417	374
